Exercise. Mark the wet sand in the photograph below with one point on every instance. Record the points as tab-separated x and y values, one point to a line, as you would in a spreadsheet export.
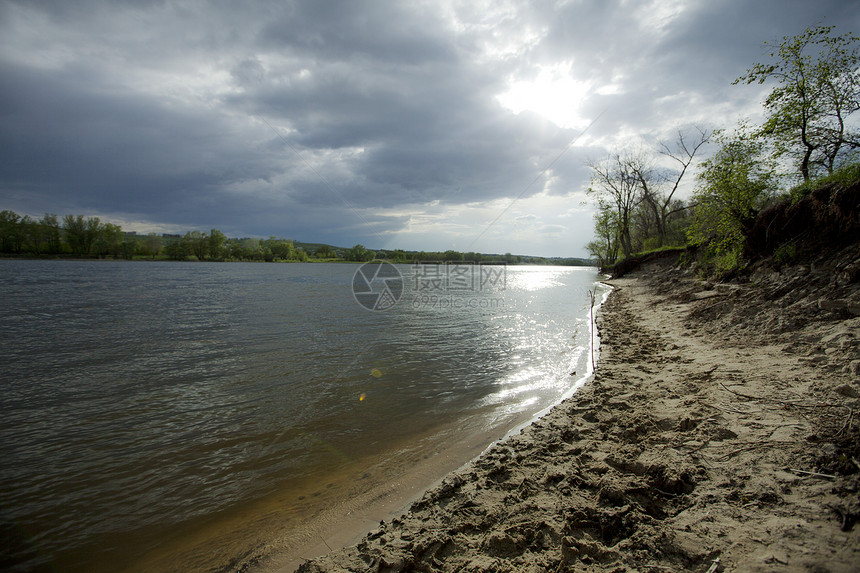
718	433
311	517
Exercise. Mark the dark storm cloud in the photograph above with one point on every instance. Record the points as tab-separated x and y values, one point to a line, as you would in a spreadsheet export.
390	32
426	120
385	114
69	144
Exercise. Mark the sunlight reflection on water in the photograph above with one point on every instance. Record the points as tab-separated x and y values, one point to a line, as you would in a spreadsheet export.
139	396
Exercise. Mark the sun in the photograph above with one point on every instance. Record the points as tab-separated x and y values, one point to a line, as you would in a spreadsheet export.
553	94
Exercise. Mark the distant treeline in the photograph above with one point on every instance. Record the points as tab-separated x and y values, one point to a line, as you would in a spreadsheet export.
89	237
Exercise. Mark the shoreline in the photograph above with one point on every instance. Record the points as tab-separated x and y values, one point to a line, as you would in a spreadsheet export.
692	448
312	518
309	520
389	500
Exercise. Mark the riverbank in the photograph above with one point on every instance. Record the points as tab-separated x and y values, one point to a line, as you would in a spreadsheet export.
719	433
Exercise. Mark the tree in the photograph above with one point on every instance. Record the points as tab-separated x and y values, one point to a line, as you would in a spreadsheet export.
152	245
818	88
604	249
176	250
109	239
31	231
397	256
51	229
325	252
280	249
657	186
247	249
81	233
614	181
217	239
359	253
452	256
733	186
682	152
197	244
129	248
10	232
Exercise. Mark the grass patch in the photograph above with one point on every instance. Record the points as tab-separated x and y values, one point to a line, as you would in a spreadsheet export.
664	249
632	262
845	175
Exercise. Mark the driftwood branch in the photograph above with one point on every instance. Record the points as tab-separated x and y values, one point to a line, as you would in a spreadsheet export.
715	566
747	396
813	474
846	427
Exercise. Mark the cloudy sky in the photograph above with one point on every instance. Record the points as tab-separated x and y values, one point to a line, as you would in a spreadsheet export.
445	124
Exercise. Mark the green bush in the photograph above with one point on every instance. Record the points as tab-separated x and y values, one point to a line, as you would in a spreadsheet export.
785	253
732	187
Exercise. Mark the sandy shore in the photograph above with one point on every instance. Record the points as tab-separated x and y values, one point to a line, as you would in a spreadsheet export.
710	439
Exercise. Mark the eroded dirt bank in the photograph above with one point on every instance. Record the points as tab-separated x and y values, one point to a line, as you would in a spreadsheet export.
719	433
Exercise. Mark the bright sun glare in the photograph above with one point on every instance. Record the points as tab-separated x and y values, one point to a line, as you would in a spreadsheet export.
554	94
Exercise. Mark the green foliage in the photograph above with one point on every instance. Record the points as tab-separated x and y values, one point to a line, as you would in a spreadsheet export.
89	237
785	253
615	183
325	252
818	88
216	243
395	256
48	229
721	262
359	253
11	237
635	190
176	251
652	245
108	242
277	249
80	233
246	249
196	244
732	186
846	175
663	249
25	234
452	256
129	248
151	245
604	249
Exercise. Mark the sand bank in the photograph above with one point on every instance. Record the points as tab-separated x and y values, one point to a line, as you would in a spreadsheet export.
719	433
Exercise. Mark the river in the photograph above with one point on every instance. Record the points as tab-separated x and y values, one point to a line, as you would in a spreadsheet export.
146	405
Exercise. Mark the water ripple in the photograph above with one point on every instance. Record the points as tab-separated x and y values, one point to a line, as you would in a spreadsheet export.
149	394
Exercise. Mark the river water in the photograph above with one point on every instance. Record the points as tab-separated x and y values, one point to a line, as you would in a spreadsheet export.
144	403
